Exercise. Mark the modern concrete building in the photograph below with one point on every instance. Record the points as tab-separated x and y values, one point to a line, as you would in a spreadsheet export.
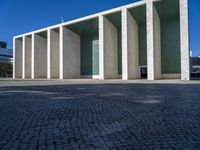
6	55
148	38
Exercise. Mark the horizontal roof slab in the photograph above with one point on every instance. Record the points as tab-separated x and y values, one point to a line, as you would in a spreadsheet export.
85	27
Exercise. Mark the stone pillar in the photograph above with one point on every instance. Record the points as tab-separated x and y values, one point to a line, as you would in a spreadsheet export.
130	46
17	68
157	44
61	52
40	56
14	58
184	31
70	54
153	43
33	57
101	48
53	54
48	54
23	57
28	57
108	47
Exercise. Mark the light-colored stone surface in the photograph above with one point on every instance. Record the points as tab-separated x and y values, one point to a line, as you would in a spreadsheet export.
130	46
101	48
71	54
150	43
48	54
153	43
18	59
54	54
40	57
23	57
157	44
109	50
33	57
20	82
60	58
170	76
185	62
61	52
28	60
124	45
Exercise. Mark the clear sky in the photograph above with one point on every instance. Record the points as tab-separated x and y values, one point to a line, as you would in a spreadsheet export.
21	16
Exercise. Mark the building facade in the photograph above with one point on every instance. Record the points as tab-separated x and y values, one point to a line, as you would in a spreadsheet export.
146	39
6	55
6	60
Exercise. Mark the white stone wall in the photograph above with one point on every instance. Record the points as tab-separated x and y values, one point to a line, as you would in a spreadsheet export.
101	48
153	43
185	57
157	44
17	58
150	43
28	58
54	54
130	47
108	41
33	57
40	57
71	54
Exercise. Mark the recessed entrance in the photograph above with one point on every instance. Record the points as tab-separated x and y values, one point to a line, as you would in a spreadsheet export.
143	72
88	47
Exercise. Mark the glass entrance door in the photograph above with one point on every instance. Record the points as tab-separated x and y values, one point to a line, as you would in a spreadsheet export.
143	72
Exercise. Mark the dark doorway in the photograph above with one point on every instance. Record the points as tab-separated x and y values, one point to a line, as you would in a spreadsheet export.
143	72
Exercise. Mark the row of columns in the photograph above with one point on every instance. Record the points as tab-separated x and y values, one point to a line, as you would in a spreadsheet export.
58	55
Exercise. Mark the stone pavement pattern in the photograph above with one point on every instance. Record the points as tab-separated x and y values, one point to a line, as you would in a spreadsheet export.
123	116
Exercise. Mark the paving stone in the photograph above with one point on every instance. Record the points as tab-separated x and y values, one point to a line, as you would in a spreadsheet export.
110	116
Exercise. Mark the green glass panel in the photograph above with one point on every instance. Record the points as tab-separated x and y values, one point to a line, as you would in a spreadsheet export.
89	54
170	46
142	45
95	57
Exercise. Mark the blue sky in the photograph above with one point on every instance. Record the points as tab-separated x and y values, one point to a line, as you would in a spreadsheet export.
20	16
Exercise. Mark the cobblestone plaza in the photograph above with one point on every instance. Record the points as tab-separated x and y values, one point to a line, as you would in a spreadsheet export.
100	116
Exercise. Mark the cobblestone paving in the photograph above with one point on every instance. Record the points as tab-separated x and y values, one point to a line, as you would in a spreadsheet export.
123	116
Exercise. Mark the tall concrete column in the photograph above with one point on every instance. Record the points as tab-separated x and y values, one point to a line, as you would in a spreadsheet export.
70	54
130	46
157	44
101	48
17	68
54	54
33	57
23	57
48	54
14	58
40	56
27	55
184	31
153	43
108	49
61	28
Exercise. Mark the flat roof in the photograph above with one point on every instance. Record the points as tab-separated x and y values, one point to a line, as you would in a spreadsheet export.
132	5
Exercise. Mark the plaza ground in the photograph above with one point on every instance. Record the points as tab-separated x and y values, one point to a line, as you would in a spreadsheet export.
93	114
